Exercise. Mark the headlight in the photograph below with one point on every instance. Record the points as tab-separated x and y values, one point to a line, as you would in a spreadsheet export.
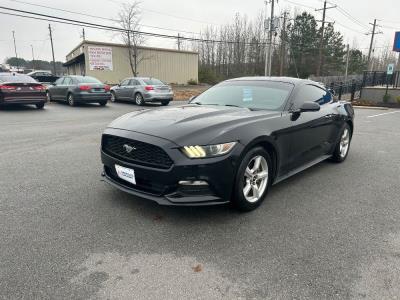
207	151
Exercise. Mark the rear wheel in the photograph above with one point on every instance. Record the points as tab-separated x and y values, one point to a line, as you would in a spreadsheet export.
103	103
139	99
40	105
343	146
71	100
253	180
165	102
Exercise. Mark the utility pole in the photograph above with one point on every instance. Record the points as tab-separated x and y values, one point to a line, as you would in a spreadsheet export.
347	63
268	58
15	49
52	50
179	42
33	58
321	41
374	25
283	44
83	34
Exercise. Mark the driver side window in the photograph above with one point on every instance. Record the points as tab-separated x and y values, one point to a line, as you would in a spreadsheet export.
311	93
125	82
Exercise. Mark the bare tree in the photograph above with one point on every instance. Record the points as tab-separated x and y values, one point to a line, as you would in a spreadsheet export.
128	19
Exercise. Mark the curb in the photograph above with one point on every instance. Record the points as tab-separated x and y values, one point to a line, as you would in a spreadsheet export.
371	107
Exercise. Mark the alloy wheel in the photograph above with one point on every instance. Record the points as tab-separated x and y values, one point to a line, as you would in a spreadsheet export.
113	97
255	179
344	143
139	99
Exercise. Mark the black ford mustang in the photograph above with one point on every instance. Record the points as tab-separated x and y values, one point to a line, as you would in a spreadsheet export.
229	144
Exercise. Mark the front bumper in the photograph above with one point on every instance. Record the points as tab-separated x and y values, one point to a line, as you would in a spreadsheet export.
92	97
162	185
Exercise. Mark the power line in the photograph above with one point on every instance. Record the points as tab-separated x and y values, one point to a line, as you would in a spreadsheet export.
45	17
98	17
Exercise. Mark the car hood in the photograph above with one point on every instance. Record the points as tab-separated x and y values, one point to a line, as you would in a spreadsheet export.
190	124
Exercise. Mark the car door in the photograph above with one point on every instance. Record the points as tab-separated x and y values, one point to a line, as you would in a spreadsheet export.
55	89
310	132
65	87
133	88
121	91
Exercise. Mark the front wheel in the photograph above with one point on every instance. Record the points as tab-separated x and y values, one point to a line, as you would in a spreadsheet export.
253	180
342	148
113	97
164	102
139	99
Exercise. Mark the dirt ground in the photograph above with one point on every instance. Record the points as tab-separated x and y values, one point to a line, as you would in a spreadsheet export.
182	93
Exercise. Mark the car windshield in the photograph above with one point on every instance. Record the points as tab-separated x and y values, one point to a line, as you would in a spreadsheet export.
255	95
87	79
153	82
15	78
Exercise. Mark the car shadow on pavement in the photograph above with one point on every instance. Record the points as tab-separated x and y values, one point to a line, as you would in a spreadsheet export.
18	107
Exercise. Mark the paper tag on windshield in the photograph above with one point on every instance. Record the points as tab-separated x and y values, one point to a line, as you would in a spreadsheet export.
247	95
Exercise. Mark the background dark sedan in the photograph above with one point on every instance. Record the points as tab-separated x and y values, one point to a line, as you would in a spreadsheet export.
43	76
79	89
21	89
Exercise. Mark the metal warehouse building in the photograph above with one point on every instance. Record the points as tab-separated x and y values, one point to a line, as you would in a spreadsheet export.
110	63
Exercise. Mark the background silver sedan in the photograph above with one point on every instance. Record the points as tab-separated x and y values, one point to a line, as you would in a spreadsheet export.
142	90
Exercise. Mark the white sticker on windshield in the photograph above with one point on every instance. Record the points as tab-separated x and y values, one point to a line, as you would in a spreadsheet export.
247	95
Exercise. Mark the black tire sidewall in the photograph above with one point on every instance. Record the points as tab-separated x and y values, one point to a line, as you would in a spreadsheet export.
165	102
239	201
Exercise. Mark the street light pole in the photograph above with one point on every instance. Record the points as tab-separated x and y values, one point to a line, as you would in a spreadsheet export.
33	59
15	49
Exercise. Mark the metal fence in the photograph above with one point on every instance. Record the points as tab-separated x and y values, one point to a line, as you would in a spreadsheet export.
351	89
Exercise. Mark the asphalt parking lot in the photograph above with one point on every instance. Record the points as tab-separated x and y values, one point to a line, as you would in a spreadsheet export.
331	232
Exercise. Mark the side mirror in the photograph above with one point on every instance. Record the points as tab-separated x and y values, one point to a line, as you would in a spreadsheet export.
310	106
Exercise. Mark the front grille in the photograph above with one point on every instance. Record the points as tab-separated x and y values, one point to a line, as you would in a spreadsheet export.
141	154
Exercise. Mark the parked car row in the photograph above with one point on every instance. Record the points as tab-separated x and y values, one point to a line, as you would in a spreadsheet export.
23	89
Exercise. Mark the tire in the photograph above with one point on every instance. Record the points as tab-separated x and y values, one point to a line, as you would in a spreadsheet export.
71	100
139	99
40	105
113	97
250	189
165	102
48	96
343	146
103	103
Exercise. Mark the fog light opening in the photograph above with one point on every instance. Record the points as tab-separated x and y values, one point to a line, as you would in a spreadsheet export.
193	183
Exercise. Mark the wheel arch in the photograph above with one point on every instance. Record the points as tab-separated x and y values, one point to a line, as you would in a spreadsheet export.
268	144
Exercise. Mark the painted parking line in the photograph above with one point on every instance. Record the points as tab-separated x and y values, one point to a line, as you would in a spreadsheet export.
388	113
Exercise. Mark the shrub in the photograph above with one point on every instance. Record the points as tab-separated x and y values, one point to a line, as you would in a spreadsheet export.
398	99
386	98
192	82
207	75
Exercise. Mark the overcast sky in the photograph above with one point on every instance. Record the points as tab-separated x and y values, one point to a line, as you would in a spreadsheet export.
188	15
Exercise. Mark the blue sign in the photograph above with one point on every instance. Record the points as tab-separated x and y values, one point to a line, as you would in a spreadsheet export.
396	45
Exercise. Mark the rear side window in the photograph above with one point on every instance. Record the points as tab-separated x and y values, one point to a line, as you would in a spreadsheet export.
16	78
67	81
134	82
153	82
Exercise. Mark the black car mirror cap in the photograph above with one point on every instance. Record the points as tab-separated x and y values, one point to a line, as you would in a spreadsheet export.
310	106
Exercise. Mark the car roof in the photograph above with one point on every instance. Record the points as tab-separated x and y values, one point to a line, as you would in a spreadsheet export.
292	80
